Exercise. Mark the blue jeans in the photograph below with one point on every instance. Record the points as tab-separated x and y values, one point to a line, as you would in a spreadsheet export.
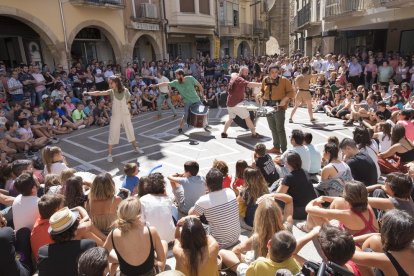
36	98
160	100
17	97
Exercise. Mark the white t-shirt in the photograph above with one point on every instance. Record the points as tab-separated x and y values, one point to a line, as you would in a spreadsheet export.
98	79
25	132
384	142
56	168
108	73
25	211
163	89
156	211
287	70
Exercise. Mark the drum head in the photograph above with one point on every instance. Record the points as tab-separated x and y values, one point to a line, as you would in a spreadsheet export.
199	109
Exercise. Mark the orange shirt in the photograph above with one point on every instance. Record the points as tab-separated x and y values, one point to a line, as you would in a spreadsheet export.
40	236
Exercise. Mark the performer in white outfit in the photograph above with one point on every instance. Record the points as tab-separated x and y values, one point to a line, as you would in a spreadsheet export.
120	114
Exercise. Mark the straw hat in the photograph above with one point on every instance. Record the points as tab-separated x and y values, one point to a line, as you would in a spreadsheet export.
62	220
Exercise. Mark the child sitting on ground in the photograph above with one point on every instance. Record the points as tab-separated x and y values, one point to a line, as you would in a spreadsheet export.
224	169
281	248
263	161
131	180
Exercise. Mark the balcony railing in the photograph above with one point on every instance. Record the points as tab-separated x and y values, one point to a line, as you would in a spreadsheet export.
304	15
100	3
341	7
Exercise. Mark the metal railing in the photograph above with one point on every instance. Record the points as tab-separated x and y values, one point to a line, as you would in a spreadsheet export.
304	15
119	3
340	7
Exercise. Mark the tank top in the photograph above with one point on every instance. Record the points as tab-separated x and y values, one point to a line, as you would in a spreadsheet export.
146	268
368	224
396	265
341	169
407	156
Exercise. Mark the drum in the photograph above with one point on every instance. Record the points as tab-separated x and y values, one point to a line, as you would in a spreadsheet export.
198	116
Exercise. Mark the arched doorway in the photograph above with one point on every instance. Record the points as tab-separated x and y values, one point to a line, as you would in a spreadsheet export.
243	49
272	46
91	43
20	43
144	50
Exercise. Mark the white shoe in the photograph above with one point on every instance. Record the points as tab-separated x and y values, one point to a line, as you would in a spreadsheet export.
81	126
109	159
138	150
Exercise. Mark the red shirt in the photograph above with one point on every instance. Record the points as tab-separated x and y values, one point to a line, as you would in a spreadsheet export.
226	182
40	236
239	182
237	87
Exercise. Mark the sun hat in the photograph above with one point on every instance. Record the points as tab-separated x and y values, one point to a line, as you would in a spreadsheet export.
45	97
62	220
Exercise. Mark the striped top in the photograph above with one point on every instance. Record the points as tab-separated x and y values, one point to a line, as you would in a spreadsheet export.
221	211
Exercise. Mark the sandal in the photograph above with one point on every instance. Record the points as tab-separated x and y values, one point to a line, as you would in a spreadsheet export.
302	227
224	135
291	121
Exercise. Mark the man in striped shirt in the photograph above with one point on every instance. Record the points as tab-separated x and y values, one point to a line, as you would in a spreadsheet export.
219	207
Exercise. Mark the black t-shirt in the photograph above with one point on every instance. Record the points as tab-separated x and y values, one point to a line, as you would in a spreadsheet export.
363	169
74	78
62	258
267	168
300	188
385	115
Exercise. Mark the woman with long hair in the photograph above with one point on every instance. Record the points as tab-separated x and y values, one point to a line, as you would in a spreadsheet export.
268	220
352	211
399	154
121	116
383	136
255	186
73	192
238	181
396	254
134	243
367	145
102	203
195	251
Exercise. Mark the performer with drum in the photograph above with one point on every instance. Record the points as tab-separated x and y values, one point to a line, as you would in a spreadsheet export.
237	88
185	86
120	97
276	92
303	93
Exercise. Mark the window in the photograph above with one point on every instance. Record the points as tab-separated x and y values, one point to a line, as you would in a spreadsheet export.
204	6
235	18
187	6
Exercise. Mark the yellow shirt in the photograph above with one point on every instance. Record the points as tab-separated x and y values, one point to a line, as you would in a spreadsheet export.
266	267
271	91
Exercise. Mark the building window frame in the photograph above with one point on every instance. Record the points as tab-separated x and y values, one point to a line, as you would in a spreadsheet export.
187	6
201	7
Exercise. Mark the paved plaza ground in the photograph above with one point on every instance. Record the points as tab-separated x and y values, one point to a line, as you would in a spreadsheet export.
87	149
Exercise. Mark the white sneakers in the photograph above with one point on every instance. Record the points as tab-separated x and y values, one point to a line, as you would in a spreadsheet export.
109	159
139	151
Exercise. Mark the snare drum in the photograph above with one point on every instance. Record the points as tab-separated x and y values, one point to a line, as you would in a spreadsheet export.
198	116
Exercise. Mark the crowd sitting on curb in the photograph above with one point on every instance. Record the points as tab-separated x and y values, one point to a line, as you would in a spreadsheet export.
354	199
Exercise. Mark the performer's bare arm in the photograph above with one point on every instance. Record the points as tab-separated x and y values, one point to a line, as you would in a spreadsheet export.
200	87
97	93
161	84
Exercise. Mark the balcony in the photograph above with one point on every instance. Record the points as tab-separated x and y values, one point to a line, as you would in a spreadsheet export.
242	30
395	3
304	15
335	8
113	4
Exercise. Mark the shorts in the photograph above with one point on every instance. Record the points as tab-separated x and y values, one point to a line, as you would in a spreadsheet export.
303	96
238	110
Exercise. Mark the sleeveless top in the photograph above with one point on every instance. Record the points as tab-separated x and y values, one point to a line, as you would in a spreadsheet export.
104	222
355	268
146	268
396	265
342	170
368	224
407	156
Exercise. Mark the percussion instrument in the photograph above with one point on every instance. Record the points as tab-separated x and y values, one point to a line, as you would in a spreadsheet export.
198	116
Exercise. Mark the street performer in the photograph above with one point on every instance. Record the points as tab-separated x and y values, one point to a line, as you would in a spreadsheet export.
276	92
303	93
186	88
237	88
